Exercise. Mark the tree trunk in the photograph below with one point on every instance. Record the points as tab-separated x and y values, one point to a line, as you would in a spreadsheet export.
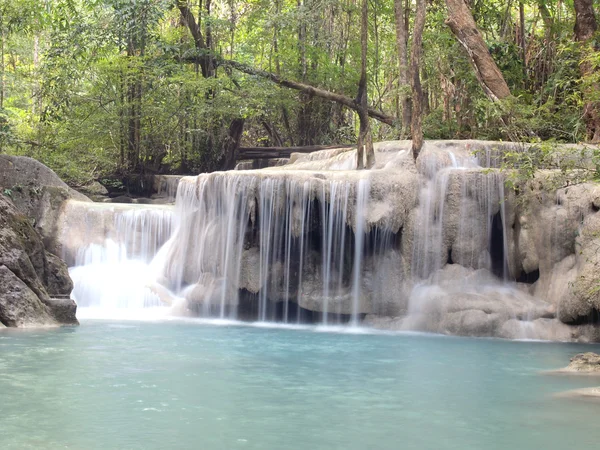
417	91
461	23
403	70
231	144
585	29
208	68
274	135
365	139
283	152
522	42
204	59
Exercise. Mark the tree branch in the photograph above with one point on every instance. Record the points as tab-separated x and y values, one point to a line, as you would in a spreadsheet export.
306	88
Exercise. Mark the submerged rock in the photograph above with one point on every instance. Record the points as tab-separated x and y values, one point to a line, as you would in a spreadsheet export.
592	393
584	363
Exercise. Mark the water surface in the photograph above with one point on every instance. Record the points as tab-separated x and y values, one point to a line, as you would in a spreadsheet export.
192	385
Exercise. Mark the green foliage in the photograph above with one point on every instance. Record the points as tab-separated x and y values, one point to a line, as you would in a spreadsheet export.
561	166
100	89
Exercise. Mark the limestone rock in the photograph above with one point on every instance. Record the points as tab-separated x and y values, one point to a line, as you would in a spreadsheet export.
583	298
59	282
542	329
588	362
30	275
19	305
37	192
64	310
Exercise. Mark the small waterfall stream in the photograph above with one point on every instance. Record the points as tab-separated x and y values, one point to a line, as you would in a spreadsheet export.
112	272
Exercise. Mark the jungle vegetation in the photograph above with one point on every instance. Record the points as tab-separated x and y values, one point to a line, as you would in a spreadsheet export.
116	90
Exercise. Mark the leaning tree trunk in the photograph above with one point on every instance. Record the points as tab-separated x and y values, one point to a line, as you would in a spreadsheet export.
585	29
417	91
461	23
403	69
365	139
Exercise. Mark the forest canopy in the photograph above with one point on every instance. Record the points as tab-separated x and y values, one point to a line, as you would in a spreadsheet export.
114	90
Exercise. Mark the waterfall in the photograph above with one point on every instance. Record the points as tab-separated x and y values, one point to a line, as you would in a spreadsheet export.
309	241
115	269
455	219
275	247
268	247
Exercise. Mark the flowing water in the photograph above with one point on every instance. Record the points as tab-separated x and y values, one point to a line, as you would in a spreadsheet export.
273	244
193	385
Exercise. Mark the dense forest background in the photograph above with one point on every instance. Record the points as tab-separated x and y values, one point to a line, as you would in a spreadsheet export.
114	90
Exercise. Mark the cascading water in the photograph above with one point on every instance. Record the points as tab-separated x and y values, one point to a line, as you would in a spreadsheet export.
114	272
455	217
257	240
239	245
310	241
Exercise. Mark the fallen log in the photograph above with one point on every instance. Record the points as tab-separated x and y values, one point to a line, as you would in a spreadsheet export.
282	152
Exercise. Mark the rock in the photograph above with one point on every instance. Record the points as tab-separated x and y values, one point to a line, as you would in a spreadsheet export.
21	249
94	190
583	299
121	199
63	310
165	186
592	393
37	192
540	329
59	282
471	322
19	305
30	275
585	363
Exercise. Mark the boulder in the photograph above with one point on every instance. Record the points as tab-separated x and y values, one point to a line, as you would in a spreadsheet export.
37	192
19	305
121	199
59	282
30	276
64	310
94	190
